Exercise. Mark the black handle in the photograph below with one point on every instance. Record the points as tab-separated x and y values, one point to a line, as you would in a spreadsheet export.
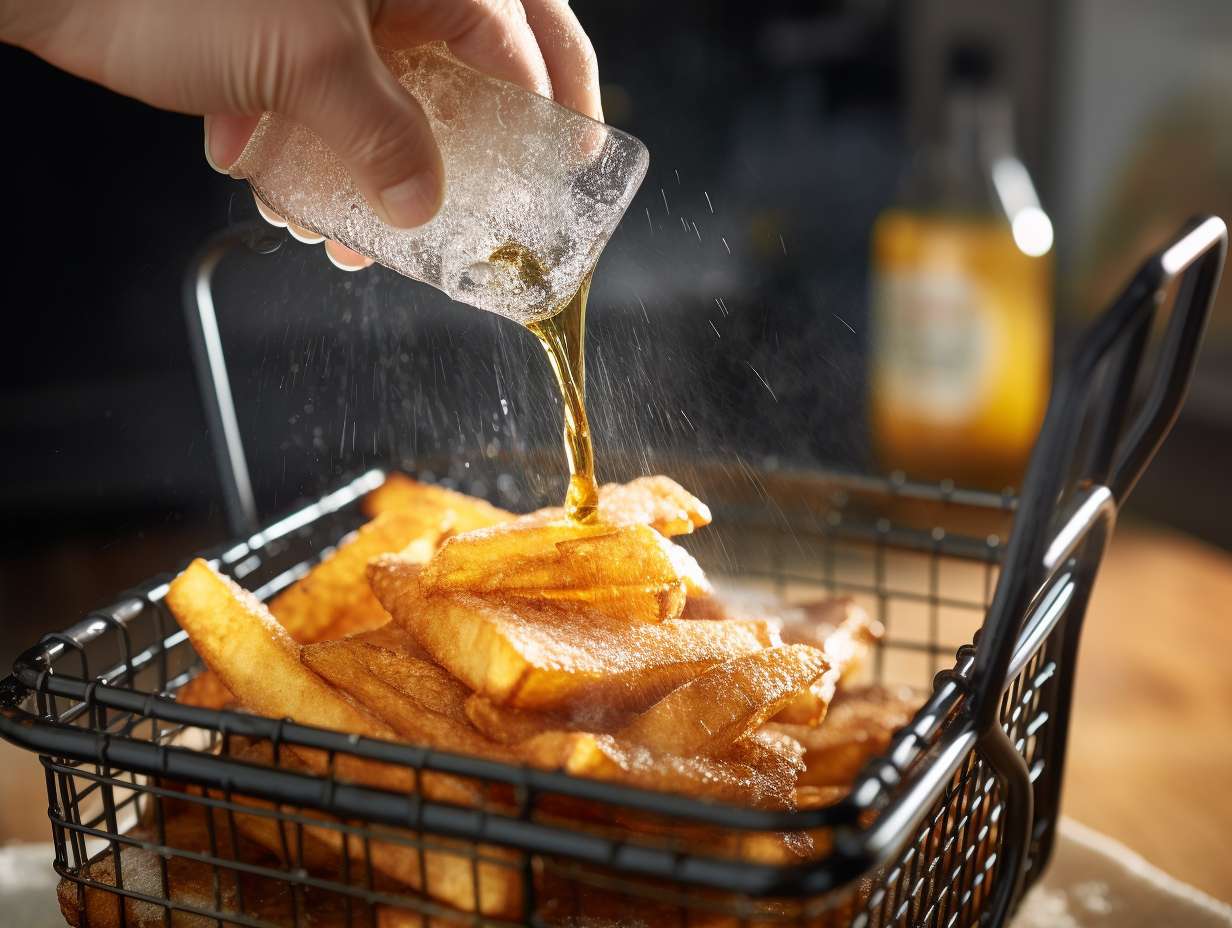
1096	386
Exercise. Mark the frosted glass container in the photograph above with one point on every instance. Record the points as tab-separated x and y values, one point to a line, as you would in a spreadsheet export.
533	191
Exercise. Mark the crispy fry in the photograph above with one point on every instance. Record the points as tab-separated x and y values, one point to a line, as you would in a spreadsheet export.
400	492
445	874
391	637
507	725
847	634
711	711
428	684
206	691
859	726
193	882
625	571
546	657
418	700
334	599
767	783
659	502
255	656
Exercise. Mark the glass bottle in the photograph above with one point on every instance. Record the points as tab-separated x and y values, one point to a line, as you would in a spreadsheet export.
961	307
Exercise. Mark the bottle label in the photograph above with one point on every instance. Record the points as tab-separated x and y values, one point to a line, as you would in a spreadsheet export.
931	345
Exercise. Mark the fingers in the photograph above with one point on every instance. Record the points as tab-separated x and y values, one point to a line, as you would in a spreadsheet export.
492	36
378	132
225	138
570	58
345	259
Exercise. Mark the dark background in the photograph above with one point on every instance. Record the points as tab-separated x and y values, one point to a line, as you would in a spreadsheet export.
794	119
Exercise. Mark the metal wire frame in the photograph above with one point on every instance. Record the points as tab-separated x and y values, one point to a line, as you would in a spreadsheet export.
945	828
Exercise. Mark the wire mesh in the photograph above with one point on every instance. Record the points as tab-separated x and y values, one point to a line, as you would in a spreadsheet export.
480	843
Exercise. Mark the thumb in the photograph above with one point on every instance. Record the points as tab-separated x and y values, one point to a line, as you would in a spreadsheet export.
379	133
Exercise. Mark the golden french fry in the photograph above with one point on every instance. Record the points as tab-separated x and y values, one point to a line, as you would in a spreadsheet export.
445	873
507	725
770	783
547	657
391	637
428	684
400	492
334	599
206	691
630	572
406	711
725	703
858	727
696	583
659	502
254	655
847	634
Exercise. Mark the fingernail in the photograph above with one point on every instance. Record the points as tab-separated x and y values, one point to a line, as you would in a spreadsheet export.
412	202
209	159
350	268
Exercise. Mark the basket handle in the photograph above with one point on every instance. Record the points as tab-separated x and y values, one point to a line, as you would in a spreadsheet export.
210	364
1099	381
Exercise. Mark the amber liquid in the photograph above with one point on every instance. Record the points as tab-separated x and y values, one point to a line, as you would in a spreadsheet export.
563	336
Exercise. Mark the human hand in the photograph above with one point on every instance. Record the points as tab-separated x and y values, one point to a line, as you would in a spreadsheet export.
314	61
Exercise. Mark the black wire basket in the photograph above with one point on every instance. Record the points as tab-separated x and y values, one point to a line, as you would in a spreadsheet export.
154	804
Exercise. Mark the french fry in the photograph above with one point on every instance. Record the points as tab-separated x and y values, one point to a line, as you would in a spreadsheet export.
545	657
419	679
847	635
629	572
400	492
334	599
254	655
417	699
859	726
391	637
769	783
507	725
659	502
446	873
711	711
206	691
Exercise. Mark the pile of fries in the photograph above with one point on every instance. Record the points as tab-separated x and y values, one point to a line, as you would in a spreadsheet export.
600	650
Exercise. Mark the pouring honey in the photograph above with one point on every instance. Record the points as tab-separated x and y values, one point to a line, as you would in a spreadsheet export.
563	337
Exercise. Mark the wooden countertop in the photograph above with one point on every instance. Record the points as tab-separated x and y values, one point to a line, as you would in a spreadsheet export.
1150	757
1150	750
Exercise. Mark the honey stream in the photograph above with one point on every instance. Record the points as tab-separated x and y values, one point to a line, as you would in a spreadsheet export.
563	336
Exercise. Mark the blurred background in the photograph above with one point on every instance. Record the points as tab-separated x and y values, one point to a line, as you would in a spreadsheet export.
866	226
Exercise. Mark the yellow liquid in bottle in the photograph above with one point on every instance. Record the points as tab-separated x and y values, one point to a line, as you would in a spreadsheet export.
563	336
961	354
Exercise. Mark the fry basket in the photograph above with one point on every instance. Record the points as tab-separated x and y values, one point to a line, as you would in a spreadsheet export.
982	596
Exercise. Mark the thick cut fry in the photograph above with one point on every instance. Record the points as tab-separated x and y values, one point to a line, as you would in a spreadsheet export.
391	637
847	634
711	711
859	726
334	599
206	691
507	725
428	684
192	882
769	782
255	656
408	716
546	657
445	873
659	502
629	572
400	492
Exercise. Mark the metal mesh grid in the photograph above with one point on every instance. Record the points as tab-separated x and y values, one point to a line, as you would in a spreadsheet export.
212	854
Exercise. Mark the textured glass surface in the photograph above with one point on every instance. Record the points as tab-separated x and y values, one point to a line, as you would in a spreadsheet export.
523	176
